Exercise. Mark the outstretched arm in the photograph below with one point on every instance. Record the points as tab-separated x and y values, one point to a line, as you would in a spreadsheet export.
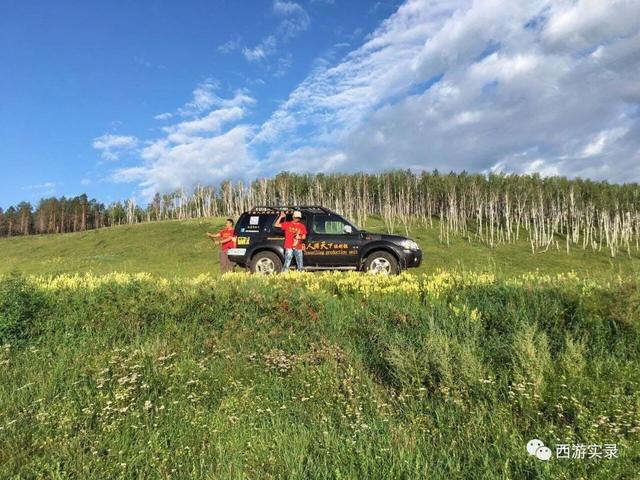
213	236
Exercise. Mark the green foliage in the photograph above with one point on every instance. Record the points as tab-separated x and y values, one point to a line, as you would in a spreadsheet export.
243	379
19	307
531	356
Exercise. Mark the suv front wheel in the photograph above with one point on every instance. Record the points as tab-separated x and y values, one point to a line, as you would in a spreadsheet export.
381	263
265	263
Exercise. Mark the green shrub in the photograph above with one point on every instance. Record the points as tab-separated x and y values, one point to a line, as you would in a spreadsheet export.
20	305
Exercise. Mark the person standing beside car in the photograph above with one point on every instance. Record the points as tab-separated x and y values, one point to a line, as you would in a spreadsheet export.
294	234
227	241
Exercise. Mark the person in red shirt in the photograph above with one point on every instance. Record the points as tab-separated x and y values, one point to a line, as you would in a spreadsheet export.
226	242
294	234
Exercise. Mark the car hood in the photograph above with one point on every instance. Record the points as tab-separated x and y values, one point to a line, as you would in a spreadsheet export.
384	236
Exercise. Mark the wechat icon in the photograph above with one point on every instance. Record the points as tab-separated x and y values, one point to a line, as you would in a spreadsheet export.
538	449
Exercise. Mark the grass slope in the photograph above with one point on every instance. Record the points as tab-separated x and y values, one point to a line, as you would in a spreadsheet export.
316	377
179	248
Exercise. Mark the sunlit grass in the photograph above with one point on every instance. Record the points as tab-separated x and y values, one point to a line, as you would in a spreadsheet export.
180	248
316	375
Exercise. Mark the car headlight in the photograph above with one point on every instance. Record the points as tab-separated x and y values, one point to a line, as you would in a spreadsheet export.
409	245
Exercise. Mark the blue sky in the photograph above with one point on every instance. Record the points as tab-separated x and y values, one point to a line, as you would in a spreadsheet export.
121	99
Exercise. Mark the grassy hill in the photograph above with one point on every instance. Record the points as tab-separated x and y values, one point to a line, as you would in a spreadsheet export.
343	375
179	248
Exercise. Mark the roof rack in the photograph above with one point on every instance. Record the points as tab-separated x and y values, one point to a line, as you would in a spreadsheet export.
283	208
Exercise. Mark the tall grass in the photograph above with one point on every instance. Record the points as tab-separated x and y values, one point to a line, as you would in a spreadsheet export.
316	376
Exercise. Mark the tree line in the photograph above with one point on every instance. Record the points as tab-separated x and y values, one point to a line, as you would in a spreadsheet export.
549	212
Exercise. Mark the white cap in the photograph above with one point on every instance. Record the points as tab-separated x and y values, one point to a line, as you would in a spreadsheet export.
297	214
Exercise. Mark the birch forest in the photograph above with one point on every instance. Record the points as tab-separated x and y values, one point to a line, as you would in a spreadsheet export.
547	213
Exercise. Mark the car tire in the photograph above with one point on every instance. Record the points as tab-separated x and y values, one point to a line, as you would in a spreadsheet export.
265	263
381	263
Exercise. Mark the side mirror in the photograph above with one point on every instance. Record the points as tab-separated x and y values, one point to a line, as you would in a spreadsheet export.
347	229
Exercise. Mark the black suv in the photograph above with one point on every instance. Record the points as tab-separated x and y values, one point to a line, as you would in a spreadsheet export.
332	243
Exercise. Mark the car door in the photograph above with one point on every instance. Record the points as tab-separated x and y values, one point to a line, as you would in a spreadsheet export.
331	242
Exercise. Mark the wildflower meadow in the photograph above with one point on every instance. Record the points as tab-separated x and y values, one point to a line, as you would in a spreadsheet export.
318	376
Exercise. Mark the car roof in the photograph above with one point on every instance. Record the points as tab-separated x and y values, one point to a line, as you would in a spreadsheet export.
285	208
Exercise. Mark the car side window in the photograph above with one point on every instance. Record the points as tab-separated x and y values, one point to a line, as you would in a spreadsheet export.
329	225
242	223
267	223
254	223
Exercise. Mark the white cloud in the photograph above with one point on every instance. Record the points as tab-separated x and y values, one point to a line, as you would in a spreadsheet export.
210	123
456	84
597	146
204	97
230	45
466	117
531	86
228	110
40	186
262	50
341	95
283	7
163	116
540	166
42	189
301	160
198	150
294	19
587	23
203	160
283	65
112	146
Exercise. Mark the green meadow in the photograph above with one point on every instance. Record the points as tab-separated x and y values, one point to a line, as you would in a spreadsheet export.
180	248
446	372
313	376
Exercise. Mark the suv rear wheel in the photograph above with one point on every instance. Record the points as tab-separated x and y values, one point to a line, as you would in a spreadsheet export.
265	263
381	263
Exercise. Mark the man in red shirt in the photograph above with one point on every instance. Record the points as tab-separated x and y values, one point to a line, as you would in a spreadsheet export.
294	234
226	242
